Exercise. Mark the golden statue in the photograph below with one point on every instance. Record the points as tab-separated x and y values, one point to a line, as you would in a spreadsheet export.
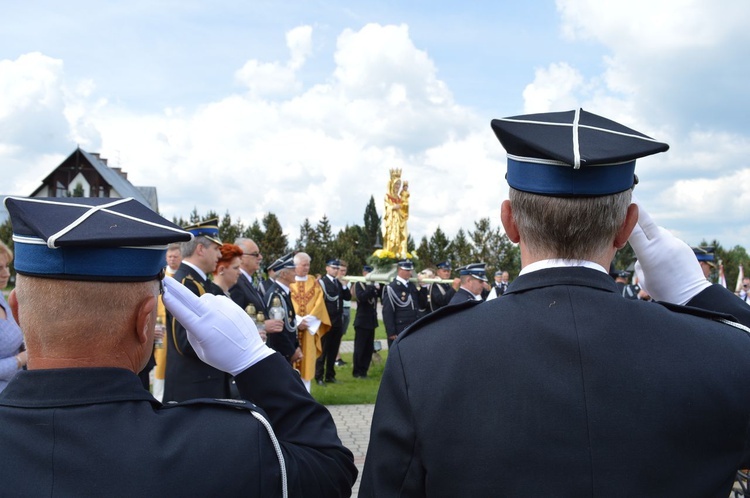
395	232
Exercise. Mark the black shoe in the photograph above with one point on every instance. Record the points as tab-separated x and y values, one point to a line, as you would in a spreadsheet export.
332	381
340	363
360	376
320	382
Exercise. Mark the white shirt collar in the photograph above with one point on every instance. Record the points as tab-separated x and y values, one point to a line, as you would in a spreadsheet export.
283	287
300	279
561	263
402	280
247	275
200	272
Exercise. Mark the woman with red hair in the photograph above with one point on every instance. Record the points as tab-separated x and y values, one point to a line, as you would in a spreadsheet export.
228	267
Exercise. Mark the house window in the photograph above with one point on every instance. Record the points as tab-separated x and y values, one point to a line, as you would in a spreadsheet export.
102	192
60	190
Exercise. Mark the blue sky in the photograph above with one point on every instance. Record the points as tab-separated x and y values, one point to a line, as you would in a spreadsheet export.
300	108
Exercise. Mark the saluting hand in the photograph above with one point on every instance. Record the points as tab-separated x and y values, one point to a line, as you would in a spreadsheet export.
221	333
667	268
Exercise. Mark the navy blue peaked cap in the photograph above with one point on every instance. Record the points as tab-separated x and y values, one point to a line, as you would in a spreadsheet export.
285	261
90	238
406	264
206	228
572	153
333	263
476	270
444	265
704	254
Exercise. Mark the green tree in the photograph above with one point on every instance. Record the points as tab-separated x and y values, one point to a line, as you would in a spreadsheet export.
423	253
508	256
78	190
323	232
308	242
255	232
346	246
484	241
440	247
306	236
371	230
194	216
731	260
229	232
624	259
275	243
6	233
461	254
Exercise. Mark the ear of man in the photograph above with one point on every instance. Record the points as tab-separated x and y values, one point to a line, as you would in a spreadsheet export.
145	319
13	302
509	224
631	218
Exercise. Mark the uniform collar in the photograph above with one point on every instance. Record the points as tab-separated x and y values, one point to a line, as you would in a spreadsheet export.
403	281
561	263
197	270
548	277
72	387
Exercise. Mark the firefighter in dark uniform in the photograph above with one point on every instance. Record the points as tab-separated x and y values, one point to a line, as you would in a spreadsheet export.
334	295
187	377
401	301
365	322
440	294
604	396
278	306
78	422
473	279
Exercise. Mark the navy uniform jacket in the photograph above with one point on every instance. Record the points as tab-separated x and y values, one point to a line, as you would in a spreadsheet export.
286	341
439	295
334	295
571	391
461	296
187	377
244	293
367	301
500	288
401	305
97	432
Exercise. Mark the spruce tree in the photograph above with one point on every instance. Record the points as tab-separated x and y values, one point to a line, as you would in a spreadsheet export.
371	228
275	243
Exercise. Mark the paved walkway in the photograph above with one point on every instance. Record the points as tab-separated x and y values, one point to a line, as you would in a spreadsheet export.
353	424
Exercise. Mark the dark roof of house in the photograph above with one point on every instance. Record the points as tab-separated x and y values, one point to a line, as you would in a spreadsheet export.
145	195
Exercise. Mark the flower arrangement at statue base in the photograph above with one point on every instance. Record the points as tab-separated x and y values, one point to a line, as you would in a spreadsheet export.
382	258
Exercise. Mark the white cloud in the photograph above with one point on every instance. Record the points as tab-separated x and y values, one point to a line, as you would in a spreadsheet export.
265	79
323	150
554	88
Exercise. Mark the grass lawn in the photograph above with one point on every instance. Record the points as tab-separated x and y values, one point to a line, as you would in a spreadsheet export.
349	334
351	391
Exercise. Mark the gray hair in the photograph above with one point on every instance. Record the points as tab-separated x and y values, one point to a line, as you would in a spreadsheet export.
568	227
301	257
241	240
189	247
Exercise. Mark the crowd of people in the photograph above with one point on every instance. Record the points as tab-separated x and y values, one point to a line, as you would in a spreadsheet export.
559	383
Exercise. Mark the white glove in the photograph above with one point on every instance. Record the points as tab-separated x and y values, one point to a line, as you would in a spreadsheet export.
221	333
666	268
